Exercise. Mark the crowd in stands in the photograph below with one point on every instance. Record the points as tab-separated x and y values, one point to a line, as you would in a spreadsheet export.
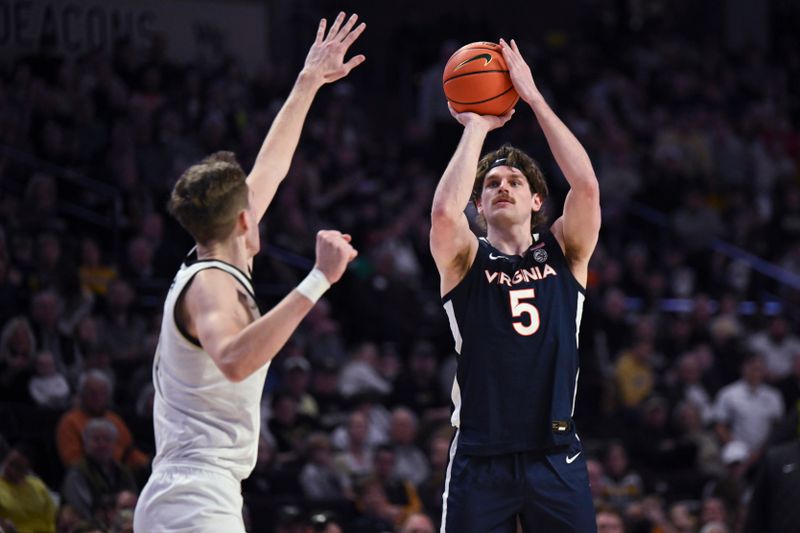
690	369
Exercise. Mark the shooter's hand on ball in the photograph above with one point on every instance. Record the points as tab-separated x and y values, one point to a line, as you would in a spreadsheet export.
520	72
487	122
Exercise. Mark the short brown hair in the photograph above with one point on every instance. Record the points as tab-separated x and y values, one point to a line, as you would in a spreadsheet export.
209	196
524	163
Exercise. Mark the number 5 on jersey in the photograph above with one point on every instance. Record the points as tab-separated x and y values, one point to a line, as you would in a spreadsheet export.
519	308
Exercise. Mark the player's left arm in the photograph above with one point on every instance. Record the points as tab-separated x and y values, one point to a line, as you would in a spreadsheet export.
578	228
324	64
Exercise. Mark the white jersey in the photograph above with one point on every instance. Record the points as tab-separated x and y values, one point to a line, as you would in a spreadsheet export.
201	418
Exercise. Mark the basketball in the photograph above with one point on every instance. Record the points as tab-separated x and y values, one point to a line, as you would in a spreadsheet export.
476	79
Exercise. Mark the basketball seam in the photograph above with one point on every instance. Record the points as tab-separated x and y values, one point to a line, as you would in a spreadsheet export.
482	101
481	48
470	74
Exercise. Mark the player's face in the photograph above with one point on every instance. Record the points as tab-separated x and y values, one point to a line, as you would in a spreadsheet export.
506	198
252	239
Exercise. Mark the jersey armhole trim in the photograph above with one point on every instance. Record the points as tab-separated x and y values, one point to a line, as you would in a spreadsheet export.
191	339
551	236
185	334
449	295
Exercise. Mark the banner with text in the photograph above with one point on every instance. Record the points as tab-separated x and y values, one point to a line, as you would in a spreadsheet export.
199	31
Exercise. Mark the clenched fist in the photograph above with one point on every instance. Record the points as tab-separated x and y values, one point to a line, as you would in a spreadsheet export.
334	252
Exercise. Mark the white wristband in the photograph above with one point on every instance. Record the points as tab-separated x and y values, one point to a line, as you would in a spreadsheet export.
314	285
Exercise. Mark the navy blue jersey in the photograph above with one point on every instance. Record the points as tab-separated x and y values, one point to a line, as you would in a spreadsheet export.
515	322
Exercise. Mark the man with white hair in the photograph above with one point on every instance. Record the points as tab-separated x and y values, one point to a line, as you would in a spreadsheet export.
94	394
92	483
410	462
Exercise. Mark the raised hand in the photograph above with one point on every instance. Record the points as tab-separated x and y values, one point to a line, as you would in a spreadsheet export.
334	252
519	71
325	60
489	122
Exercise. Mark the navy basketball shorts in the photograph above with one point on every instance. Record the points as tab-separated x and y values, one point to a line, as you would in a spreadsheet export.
549	492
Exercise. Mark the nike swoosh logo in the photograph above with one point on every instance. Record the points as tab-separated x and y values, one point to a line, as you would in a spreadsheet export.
486	57
492	256
570	459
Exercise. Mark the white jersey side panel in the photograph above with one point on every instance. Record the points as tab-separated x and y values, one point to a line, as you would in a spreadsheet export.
201	418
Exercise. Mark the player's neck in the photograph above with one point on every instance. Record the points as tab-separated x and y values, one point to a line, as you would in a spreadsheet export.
230	251
512	240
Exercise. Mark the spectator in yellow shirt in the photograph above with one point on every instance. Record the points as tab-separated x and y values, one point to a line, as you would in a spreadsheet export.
25	500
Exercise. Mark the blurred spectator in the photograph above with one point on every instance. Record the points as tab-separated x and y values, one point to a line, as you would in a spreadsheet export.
730	487
296	382
596	473
17	349
714	510
417	523
418	388
319	478
621	483
25	500
399	491
778	347
634	373
123	330
271	476
322	333
76	300
410	462
325	523
695	223
773	505
691	428
289	428
790	385
377	417
48	388
290	519
681	519
746	409
689	387
356	459
324	389
377	514
94	273
68	520
431	490
89	484
94	394
666	458
609	521
361	375
46	313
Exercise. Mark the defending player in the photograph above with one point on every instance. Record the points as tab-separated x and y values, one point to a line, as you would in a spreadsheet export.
514	301
214	350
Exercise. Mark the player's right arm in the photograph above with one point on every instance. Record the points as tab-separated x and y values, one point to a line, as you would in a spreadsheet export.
453	245
238	345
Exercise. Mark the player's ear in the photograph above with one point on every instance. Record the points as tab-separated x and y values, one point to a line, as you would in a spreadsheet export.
536	202
478	205
242	223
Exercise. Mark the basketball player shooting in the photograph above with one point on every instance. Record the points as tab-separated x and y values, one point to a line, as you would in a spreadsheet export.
214	349
514	301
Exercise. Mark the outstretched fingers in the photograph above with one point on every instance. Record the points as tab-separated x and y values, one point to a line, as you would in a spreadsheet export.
321	31
353	35
354	62
344	30
337	23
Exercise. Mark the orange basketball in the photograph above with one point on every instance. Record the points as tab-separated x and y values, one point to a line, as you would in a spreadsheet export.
476	79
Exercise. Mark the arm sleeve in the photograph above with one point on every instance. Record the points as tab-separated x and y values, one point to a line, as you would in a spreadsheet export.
68	440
